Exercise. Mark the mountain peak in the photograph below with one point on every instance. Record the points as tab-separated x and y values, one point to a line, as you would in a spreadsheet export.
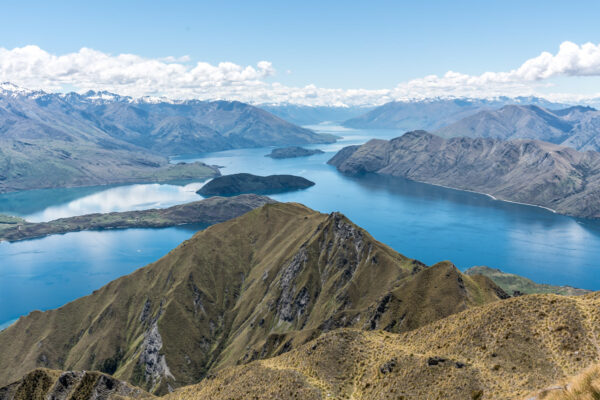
11	88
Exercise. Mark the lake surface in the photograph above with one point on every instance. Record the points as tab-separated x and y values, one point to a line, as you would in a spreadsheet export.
420	221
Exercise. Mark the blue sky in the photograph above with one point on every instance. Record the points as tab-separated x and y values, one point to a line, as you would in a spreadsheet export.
331	44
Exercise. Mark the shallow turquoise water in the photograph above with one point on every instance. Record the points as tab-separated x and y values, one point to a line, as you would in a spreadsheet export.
421	221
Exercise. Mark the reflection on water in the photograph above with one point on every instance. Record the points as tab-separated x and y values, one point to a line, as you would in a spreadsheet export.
421	221
102	200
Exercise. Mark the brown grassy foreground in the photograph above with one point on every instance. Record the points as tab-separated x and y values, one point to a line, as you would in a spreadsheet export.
504	350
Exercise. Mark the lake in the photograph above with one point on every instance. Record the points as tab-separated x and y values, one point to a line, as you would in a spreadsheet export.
421	221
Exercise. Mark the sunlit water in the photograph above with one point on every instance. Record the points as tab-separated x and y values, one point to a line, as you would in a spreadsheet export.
421	221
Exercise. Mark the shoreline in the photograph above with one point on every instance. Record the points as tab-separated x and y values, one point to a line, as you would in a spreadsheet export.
205	212
489	195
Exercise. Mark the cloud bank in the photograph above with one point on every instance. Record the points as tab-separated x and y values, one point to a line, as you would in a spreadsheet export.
179	78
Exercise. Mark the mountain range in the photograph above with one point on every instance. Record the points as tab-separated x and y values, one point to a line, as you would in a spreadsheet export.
313	115
285	302
577	127
55	139
432	114
526	171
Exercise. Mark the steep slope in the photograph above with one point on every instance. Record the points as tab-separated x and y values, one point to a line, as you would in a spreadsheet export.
44	384
525	171
432	114
503	350
246	289
576	127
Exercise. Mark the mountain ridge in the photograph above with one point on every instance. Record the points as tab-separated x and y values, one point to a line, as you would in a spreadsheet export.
576	127
58	140
524	171
250	288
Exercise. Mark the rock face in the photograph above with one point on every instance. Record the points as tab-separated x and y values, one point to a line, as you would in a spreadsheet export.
576	127
293	152
43	384
525	171
208	211
230	185
249	288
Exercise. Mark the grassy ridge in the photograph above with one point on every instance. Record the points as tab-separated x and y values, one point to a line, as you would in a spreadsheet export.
515	284
502	350
253	287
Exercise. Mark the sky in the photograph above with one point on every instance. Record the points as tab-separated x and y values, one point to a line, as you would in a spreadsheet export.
306	52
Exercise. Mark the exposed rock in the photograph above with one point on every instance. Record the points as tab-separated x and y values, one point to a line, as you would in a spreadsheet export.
69	385
152	361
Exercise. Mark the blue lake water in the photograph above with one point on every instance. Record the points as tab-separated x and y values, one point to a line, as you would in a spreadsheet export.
421	221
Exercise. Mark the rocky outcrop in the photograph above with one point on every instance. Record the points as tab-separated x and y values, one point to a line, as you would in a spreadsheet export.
44	384
525	171
152	361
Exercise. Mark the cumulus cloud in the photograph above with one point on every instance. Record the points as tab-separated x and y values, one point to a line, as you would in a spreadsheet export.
179	78
130	74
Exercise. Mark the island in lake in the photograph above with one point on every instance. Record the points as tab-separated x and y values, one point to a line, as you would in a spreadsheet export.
230	185
207	211
292	152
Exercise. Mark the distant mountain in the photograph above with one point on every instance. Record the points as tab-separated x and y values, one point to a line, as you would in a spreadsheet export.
165	126
313	115
577	127
50	140
433	114
250	288
526	171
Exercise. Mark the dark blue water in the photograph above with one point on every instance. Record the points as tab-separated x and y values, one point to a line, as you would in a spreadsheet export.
421	221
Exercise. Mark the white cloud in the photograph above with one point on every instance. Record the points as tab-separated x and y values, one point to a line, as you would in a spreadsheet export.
129	74
179	78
